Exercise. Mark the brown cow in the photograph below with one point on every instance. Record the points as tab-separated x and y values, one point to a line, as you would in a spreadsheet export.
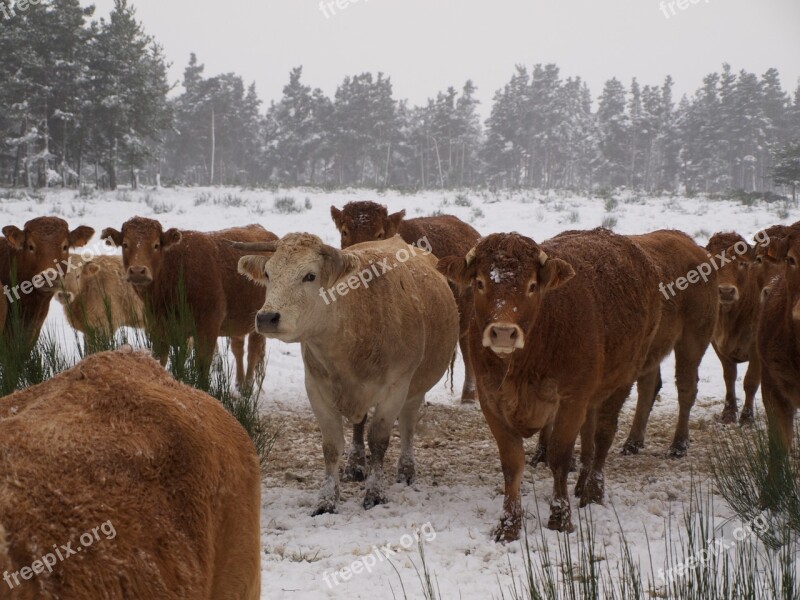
152	485
771	245
98	298
779	350
735	338
378	328
31	260
559	333
3	310
688	319
446	235
168	267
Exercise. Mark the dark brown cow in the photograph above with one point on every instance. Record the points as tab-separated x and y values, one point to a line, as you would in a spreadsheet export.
152	485
219	301
31	260
779	350
558	334
772	244
3	311
688	318
735	338
447	236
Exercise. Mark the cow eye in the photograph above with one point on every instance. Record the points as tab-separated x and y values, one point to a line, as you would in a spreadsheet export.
759	260
124	245
479	284
380	235
532	287
742	264
31	247
65	247
156	246
309	278
791	262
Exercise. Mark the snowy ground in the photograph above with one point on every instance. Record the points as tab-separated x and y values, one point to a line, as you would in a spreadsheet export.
459	490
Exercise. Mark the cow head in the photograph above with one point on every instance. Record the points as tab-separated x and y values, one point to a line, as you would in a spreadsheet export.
736	275
42	247
792	262
365	222
144	243
76	280
510	275
771	251
296	273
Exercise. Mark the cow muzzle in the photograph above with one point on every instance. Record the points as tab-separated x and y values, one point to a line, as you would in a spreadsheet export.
139	276
65	297
728	294
503	338
268	322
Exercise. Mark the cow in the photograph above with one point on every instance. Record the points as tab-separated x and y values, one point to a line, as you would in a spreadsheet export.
98	299
118	482
558	335
3	310
378	328
446	235
31	261
688	320
771	246
779	350
735	336
170	268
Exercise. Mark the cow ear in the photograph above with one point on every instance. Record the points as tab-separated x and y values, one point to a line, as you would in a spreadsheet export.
555	273
111	236
90	270
15	236
254	268
80	237
394	222
778	248
457	270
336	215
341	264
171	237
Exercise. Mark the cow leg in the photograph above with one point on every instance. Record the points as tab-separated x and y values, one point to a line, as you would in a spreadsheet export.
647	388
330	425
566	427
205	346
540	454
468	394
356	467
409	416
752	380
237	348
606	429
780	420
380	431
729	371
512	460
688	355
587	450
256	355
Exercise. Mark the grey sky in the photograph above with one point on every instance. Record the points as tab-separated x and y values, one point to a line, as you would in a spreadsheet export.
427	45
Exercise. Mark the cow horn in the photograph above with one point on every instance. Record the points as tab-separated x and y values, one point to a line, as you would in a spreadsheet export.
255	246
543	258
471	255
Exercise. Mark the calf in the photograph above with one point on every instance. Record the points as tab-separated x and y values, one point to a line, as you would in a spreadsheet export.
170	268
558	334
445	234
117	482
688	319
779	350
372	335
98	298
770	255
31	260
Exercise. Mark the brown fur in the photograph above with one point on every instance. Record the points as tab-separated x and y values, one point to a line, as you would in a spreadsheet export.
381	346
97	297
586	319
221	303
447	235
687	325
769	257
3	310
40	245
117	439
779	350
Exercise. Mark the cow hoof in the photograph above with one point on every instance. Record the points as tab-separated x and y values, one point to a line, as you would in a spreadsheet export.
507	529
581	484
407	476
324	508
632	447
727	417
468	398
354	472
678	450
747	417
560	517
373	499
539	456
593	491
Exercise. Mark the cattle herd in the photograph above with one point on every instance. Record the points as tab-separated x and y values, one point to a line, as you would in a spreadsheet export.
553	335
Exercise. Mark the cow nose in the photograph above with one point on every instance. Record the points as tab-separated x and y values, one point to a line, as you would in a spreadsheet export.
65	297
728	293
504	338
137	271
268	321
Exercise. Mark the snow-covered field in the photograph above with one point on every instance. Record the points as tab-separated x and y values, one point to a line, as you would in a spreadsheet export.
458	495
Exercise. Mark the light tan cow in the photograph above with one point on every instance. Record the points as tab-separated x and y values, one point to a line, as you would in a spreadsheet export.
378	327
97	297
155	482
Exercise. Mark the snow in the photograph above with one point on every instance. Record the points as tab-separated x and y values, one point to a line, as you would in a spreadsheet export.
456	500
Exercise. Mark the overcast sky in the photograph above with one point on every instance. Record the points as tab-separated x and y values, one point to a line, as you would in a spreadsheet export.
428	45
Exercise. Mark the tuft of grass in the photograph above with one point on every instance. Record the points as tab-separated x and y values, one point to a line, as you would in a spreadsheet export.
609	222
286	205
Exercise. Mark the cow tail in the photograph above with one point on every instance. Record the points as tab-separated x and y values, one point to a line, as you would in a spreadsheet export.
451	369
